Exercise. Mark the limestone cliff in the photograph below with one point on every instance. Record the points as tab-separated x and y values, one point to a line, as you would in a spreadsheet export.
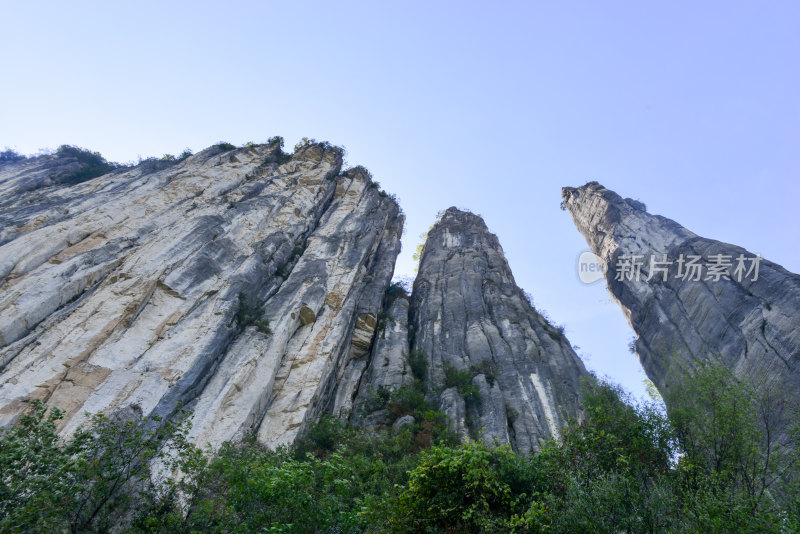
250	286
688	297
145	289
469	316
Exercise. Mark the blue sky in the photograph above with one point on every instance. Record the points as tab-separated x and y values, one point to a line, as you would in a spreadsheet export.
691	107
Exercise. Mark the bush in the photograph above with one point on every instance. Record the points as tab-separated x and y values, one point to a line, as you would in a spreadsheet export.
93	482
471	488
225	146
279	155
324	145
250	315
462	380
275	139
92	164
418	361
10	156
396	290
488	369
623	468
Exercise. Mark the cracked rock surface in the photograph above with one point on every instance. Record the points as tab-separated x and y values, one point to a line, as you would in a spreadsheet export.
127	291
251	288
469	315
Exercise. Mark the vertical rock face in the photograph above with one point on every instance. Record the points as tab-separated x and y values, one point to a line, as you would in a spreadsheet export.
388	366
482	336
749	323
251	287
148	289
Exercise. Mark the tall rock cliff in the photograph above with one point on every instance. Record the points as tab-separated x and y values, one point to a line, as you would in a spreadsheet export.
250	286
689	298
472	321
145	289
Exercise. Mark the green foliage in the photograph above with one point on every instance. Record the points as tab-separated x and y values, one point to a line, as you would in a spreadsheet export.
378	399
623	467
90	483
225	146
324	145
395	291
9	156
244	488
93	164
275	139
363	170
250	315
470	488
418	361
528	298
282	157
728	430
417	256
488	369
462	380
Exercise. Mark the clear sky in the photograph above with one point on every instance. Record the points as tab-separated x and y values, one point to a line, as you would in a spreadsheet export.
691	107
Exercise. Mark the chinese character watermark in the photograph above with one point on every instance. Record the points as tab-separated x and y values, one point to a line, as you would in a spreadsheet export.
689	267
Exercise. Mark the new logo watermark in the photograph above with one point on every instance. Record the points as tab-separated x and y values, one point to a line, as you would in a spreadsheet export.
591	268
658	267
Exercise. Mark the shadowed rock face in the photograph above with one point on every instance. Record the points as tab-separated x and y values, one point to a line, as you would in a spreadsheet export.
468	314
750	325
122	292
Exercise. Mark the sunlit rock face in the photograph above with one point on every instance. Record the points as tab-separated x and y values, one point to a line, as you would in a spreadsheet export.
250	287
749	320
469	316
132	290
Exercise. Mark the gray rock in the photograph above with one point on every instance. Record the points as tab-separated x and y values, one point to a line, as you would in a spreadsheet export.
388	367
469	316
750	325
401	422
123	291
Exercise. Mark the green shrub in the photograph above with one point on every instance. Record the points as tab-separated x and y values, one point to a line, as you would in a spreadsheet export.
250	315
623	467
466	489
279	155
92	482
9	156
488	369
92	164
462	380
324	145
418	361
275	139
225	146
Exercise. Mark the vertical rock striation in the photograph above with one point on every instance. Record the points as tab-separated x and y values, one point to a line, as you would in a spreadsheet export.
482	336
251	287
146	289
680	317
